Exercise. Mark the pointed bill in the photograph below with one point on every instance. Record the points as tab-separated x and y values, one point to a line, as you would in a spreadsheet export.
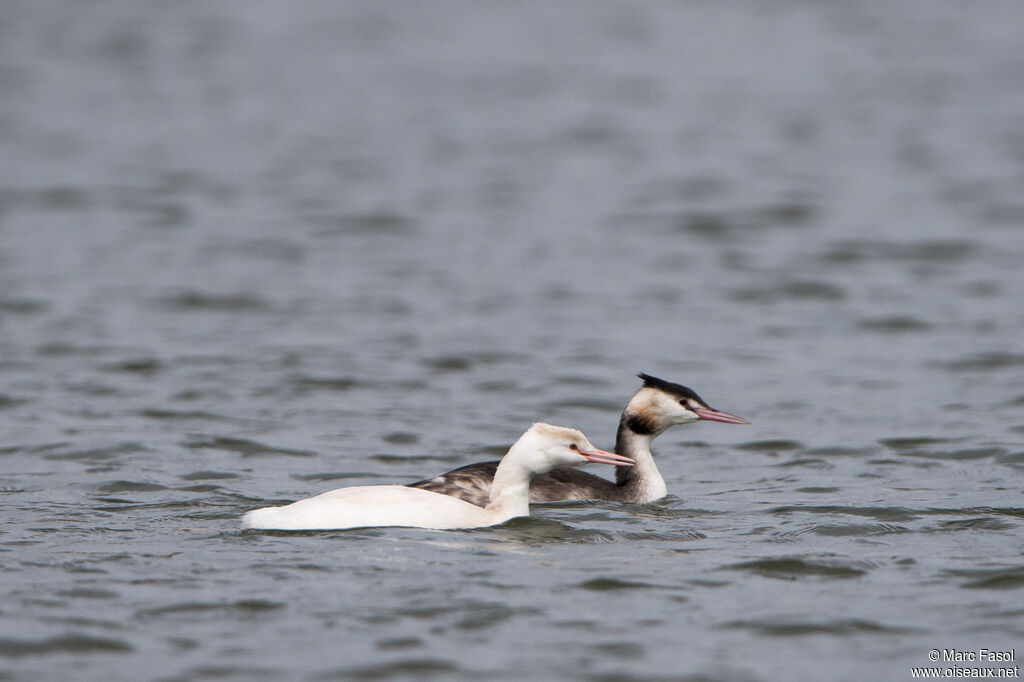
716	416
604	457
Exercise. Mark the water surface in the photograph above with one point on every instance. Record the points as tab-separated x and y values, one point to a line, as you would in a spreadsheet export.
249	253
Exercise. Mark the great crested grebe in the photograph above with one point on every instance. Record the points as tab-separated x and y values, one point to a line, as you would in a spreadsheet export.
658	405
542	448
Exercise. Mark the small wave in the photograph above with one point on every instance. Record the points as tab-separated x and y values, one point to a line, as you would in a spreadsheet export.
791	568
410	668
533	530
980	523
838	451
225	672
141	366
335	475
21	306
879	513
382	223
791	628
129	486
7	401
400	643
844	529
799	290
1015	512
991	579
245	447
721	224
984	362
175	415
964	454
87	593
584	404
924	251
770	445
207	476
611	584
448	363
308	384
242	607
1011	458
192	300
400	438
680	536
64	644
98	454
809	462
896	324
398	459
914	442
465	361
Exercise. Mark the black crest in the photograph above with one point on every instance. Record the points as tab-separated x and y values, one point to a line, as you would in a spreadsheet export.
677	390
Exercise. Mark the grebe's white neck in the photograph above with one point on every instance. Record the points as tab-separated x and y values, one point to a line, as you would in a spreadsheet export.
644	474
542	448
532	454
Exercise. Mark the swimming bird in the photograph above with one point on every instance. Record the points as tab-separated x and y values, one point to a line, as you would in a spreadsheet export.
540	449
657	406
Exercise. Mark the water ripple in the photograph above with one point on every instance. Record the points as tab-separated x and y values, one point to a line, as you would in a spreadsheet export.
1008	578
201	301
245	447
894	514
985	362
798	628
408	668
242	608
791	568
64	644
613	584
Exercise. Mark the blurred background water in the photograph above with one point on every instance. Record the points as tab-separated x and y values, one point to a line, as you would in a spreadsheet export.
252	251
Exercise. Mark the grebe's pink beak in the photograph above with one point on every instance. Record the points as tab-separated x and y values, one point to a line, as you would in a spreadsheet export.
716	416
603	457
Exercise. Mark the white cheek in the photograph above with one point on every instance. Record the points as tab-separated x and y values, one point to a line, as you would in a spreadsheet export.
684	416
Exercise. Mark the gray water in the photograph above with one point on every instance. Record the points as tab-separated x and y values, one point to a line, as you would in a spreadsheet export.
254	251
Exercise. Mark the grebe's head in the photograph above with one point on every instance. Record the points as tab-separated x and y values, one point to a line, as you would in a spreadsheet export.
660	404
544	447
